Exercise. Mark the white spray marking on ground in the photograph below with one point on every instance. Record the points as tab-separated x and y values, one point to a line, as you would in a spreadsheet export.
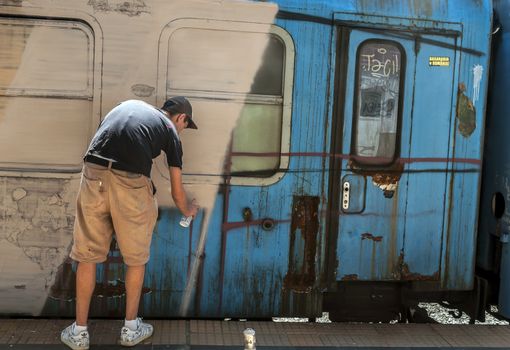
477	78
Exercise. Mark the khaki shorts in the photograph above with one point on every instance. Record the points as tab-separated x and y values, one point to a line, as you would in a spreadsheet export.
113	200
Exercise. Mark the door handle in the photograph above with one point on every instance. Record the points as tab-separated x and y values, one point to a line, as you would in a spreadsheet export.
346	193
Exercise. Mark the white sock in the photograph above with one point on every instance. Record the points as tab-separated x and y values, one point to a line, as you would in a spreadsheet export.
131	324
77	329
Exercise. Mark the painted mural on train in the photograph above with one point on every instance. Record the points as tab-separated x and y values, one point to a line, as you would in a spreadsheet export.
340	151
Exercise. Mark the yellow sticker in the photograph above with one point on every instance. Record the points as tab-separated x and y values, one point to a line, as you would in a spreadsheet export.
439	61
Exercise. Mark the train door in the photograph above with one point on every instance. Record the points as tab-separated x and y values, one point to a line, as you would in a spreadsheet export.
391	145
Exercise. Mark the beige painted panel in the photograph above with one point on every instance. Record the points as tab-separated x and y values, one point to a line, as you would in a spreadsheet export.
205	149
41	131
54	57
225	61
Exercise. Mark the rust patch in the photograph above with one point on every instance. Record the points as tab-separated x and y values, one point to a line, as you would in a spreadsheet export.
352	277
410	276
303	244
370	236
126	7
386	179
403	273
466	112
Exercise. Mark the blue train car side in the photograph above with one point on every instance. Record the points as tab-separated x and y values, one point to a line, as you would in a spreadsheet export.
339	155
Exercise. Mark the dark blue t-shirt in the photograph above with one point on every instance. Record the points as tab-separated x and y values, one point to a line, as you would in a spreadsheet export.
133	134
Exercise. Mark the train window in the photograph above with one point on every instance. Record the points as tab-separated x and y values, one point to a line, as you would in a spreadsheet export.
45	92
376	115
239	81
221	65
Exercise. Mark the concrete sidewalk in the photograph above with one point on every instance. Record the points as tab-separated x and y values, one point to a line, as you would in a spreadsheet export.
207	334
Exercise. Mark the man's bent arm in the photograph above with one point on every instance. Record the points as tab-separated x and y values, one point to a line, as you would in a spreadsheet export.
178	193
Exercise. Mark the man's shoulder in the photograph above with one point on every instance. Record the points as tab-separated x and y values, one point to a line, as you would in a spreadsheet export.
136	104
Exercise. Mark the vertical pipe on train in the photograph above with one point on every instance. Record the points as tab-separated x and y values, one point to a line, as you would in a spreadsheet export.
504	276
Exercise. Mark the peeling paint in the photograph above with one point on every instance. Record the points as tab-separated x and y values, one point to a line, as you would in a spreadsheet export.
466	113
36	232
371	237
142	90
18	194
127	7
403	273
387	179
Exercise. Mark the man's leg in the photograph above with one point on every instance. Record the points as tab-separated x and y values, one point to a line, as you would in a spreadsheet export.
85	284
134	282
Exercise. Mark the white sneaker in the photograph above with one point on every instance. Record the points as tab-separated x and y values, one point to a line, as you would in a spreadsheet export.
75	342
131	338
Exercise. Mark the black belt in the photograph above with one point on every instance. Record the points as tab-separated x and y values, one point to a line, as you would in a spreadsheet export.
104	162
111	165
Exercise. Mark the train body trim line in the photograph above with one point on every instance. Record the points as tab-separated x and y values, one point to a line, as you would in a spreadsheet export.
348	156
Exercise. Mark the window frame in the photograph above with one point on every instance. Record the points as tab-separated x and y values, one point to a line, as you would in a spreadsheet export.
285	100
369	162
83	20
85	94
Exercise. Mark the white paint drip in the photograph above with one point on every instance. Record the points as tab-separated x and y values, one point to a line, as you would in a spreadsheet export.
195	266
477	78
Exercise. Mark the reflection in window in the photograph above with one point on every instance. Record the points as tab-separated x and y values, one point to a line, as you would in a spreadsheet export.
379	76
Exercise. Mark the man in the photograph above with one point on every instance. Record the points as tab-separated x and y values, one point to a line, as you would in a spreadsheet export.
116	194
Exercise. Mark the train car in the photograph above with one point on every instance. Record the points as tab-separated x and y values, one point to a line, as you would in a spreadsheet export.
493	254
337	161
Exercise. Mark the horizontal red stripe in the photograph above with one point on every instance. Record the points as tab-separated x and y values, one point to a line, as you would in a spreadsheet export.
238	224
347	156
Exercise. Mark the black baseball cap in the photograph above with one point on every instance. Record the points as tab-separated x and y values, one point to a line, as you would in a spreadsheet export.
180	104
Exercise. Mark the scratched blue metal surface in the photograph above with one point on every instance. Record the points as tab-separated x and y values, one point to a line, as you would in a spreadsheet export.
432	215
432	119
426	230
496	173
413	223
256	260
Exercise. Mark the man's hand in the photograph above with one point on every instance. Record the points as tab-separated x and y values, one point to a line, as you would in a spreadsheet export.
193	208
179	195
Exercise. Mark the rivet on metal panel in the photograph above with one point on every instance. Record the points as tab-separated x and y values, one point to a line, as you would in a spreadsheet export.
247	214
267	224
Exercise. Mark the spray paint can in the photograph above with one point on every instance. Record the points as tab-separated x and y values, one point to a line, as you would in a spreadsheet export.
249	339
185	221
